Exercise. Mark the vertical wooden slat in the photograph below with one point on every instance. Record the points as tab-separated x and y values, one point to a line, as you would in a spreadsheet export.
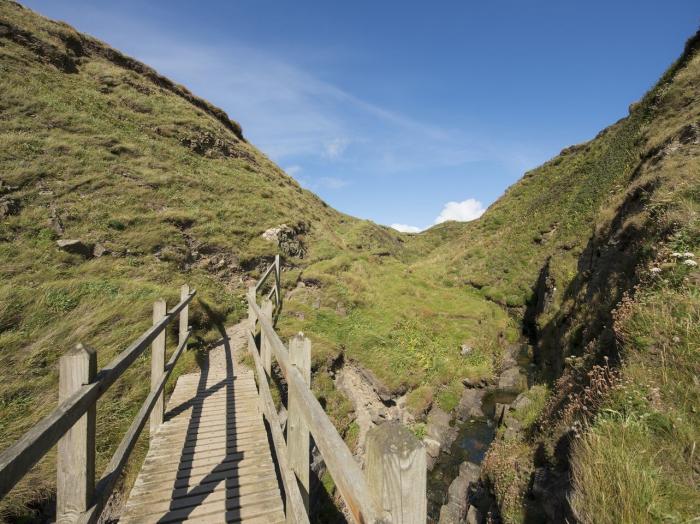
298	441
75	465
252	319
265	350
396	473
278	281
184	315
157	367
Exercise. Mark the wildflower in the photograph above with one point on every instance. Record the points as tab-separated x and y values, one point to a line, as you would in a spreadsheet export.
688	254
675	254
656	270
690	263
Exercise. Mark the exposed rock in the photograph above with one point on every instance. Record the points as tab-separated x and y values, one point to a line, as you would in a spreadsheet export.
455	511
379	388
499	413
56	222
473	515
512	380
369	409
439	434
76	247
521	402
99	250
472	382
8	206
288	238
470	404
465	349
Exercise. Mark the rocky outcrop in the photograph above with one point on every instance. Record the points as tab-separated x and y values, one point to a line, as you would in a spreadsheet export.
289	238
370	407
76	247
439	434
457	507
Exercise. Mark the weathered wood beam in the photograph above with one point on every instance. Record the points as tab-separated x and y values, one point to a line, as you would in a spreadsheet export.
296	511
346	473
19	458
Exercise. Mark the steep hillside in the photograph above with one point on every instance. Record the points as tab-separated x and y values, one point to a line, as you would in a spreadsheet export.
594	252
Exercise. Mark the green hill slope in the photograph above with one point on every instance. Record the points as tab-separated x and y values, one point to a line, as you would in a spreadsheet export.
594	252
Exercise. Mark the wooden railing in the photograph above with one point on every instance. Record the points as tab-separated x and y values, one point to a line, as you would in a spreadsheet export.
72	424
393	486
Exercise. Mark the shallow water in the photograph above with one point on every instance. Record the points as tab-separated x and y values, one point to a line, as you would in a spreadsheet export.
473	440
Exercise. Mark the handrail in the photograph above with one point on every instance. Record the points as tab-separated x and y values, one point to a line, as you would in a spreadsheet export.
345	471
19	458
104	487
393	486
289	480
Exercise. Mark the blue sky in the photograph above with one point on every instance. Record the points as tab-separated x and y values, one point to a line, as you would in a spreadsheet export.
403	112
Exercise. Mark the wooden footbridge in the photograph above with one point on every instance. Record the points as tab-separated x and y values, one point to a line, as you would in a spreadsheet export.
218	453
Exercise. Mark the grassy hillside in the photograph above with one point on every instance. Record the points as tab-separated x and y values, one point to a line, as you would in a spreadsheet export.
596	252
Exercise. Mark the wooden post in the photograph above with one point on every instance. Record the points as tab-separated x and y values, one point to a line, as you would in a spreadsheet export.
251	314
396	473
265	350
278	281
157	367
298	443
184	316
75	465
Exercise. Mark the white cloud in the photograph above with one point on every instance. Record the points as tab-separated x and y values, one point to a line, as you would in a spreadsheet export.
404	228
293	170
464	211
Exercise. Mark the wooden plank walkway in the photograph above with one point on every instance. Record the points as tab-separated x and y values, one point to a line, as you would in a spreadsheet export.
210	461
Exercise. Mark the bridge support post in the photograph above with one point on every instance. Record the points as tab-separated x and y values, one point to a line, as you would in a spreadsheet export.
184	316
298	439
396	473
265	350
251	314
157	368
75	465
278	281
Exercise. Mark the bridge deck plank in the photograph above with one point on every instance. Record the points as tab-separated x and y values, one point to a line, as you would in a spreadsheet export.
210	461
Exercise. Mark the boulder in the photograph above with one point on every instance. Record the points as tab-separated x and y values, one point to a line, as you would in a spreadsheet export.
472	382
8	206
521	402
499	413
457	494
473	515
75	247
512	380
99	250
470	404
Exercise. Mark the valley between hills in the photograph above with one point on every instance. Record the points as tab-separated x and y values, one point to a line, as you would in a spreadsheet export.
547	353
